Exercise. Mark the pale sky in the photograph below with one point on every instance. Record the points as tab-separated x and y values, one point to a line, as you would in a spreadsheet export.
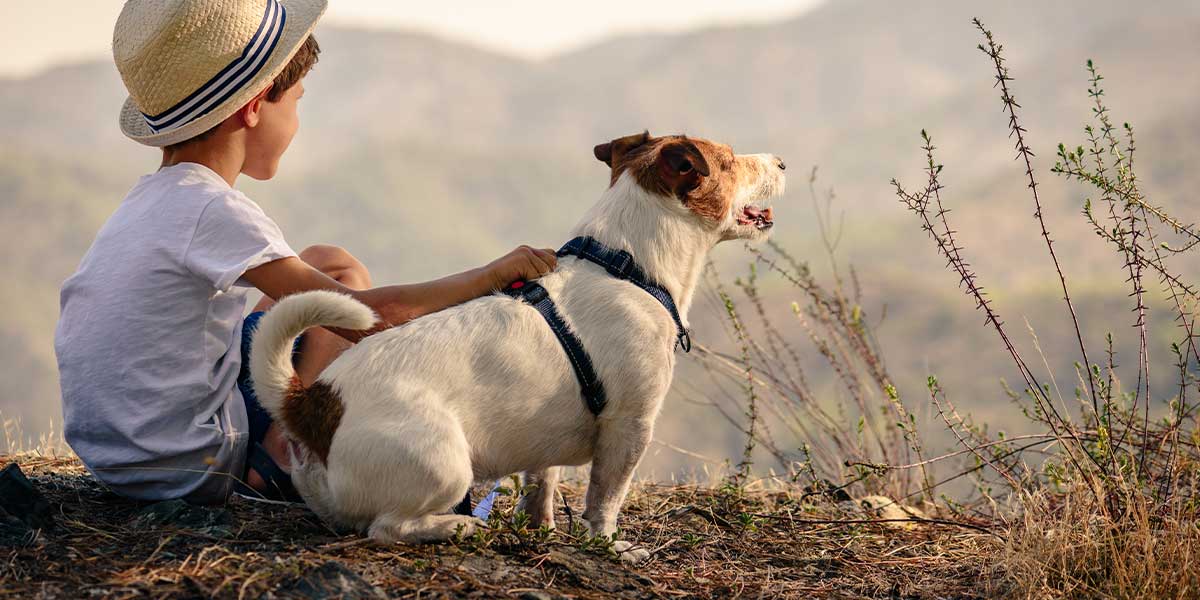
37	33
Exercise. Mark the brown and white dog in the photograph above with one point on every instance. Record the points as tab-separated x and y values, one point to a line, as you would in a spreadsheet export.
396	429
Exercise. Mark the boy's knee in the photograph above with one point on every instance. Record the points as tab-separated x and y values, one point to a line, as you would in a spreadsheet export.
337	263
325	257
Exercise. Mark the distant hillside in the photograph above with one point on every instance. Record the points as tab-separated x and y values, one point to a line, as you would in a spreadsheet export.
424	156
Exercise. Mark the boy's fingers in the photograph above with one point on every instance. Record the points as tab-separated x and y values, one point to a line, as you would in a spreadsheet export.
538	261
539	264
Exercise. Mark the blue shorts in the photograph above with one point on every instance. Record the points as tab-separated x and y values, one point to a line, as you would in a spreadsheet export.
259	418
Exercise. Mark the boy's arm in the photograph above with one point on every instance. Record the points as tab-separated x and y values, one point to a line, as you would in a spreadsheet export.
397	304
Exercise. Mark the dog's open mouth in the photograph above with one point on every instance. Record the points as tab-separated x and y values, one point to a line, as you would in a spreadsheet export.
759	217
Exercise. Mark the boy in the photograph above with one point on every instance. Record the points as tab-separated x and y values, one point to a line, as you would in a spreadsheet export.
151	337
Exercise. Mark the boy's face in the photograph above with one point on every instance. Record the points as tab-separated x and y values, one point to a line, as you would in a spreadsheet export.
269	138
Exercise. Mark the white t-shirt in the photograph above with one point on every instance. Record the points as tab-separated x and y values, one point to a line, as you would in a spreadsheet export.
148	339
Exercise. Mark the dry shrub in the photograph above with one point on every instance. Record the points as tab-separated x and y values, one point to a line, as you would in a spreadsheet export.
1112	512
1103	501
845	435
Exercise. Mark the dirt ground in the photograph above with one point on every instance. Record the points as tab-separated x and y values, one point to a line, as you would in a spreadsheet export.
705	543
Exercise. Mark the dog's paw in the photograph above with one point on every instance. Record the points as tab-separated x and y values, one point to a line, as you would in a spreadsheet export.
468	526
539	516
630	554
537	521
428	529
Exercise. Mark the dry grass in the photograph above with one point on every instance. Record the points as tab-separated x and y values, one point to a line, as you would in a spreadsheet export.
13	439
707	542
1074	550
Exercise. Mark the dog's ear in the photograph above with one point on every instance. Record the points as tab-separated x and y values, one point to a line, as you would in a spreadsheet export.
681	166
611	152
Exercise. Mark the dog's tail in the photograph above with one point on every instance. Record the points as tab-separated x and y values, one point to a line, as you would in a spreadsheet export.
302	411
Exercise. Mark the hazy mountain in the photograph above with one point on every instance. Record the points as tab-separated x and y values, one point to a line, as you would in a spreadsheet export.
424	156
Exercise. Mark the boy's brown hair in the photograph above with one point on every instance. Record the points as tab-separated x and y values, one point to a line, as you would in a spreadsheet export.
302	62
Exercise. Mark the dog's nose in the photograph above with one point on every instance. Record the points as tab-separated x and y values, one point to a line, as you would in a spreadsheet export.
779	163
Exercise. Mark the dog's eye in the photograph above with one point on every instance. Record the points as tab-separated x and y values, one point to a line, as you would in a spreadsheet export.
685	165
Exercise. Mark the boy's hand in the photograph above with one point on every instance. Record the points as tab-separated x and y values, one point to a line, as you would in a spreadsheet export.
524	263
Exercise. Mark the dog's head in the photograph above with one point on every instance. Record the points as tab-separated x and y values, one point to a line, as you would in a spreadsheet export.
727	193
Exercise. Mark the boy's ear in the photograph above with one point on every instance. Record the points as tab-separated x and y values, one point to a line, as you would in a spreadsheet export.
252	111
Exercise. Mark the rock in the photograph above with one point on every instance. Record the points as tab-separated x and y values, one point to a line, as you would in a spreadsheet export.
485	567
23	510
600	573
328	581
215	522
886	508
20	499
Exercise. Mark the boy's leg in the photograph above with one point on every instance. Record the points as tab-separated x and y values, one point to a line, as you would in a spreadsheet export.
318	347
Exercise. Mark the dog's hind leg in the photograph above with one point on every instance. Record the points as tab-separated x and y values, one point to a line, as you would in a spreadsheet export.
538	503
397	477
619	446
414	517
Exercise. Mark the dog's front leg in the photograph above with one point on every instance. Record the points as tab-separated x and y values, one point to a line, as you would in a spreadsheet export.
619	447
538	503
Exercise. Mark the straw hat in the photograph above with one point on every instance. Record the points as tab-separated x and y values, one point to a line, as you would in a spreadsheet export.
189	64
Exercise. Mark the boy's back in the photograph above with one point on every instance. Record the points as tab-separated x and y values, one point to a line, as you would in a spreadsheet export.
151	322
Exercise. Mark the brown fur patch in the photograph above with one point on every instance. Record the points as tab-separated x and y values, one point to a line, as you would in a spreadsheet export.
612	152
703	175
312	414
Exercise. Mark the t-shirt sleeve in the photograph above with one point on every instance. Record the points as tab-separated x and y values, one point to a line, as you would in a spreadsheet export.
233	235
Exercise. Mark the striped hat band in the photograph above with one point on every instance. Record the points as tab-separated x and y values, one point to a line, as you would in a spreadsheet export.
230	79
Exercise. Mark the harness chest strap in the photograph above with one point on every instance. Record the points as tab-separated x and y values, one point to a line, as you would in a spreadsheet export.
581	363
618	263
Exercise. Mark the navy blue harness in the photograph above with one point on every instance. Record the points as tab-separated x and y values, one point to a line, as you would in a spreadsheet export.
619	264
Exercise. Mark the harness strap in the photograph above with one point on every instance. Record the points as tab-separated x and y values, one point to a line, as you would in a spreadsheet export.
536	295
620	264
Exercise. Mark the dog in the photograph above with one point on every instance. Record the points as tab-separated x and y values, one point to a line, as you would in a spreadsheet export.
396	429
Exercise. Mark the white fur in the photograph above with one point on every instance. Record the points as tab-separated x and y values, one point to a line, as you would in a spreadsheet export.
271	349
483	389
